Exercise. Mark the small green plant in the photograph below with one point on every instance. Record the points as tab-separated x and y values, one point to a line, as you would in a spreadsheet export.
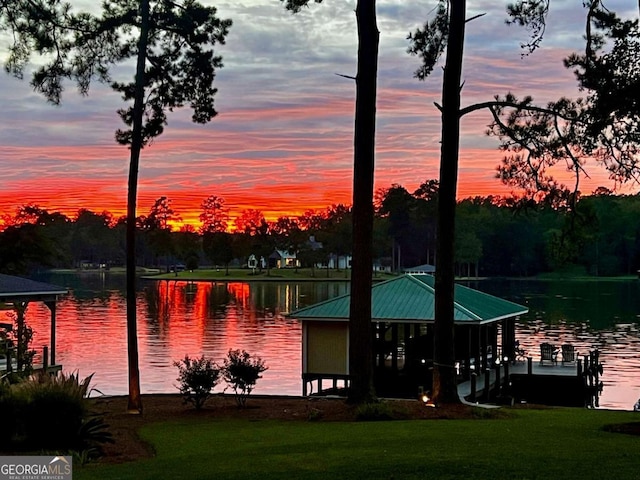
51	412
241	372
197	377
17	341
380	411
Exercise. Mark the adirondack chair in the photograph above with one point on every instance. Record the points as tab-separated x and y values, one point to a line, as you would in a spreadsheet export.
548	352
568	353
519	353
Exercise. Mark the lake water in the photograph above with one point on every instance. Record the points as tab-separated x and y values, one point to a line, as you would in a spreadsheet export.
176	318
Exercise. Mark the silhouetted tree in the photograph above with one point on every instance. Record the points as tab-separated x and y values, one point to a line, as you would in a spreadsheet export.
158	228
214	216
538	137
360	331
173	44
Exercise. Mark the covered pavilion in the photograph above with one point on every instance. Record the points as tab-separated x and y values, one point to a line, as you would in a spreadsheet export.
15	294
403	312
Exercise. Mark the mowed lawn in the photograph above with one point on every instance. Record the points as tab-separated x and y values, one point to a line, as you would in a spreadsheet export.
275	275
560	443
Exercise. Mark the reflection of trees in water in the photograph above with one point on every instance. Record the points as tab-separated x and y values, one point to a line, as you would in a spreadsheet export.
86	286
212	318
218	300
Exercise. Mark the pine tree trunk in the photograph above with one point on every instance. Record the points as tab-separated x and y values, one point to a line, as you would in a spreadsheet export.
445	388
360	331
135	398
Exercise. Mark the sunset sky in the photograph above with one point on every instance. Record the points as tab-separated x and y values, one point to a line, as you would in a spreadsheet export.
282	142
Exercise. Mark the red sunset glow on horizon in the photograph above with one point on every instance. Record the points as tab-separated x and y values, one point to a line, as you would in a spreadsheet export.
283	140
289	200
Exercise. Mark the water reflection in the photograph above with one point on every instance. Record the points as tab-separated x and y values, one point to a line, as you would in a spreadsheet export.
178	318
589	315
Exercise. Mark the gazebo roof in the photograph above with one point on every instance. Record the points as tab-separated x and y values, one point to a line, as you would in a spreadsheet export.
410	298
22	289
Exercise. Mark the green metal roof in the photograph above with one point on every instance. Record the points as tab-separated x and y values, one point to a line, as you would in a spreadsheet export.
410	298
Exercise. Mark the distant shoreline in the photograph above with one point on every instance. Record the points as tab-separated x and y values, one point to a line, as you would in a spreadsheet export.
304	275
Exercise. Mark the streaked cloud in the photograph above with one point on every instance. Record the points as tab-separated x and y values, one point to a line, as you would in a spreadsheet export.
283	139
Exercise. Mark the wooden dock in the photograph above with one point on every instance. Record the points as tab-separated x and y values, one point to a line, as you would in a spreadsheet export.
570	384
9	364
37	368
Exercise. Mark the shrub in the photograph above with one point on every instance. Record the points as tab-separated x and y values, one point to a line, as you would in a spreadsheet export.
241	372
10	410
197	377
52	413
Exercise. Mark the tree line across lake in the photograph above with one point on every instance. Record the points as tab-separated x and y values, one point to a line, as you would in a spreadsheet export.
596	235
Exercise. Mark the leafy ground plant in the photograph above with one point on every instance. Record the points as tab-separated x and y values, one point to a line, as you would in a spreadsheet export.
51	412
241	372
197	377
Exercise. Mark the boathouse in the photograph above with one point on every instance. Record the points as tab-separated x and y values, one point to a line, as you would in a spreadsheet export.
15	294
403	311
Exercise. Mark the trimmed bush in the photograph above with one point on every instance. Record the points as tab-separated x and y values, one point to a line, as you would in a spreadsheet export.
241	372
197	377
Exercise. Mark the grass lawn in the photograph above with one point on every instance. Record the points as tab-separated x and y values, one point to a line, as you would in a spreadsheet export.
275	274
531	444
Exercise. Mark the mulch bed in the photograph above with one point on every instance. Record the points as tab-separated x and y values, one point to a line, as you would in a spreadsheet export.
156	408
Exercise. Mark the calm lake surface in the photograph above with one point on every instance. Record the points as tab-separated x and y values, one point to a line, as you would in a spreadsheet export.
176	318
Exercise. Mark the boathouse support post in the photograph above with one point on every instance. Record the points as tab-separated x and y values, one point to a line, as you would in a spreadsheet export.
394	345
506	382
52	309
494	344
483	348
45	358
487	383
474	378
475	349
508	339
529	365
9	361
467	355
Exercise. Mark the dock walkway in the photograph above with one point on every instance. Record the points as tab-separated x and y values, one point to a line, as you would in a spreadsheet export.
465	389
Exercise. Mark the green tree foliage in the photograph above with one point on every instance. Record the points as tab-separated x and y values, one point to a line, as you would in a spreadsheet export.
339	232
218	248
24	247
158	229
187	244
518	237
93	239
